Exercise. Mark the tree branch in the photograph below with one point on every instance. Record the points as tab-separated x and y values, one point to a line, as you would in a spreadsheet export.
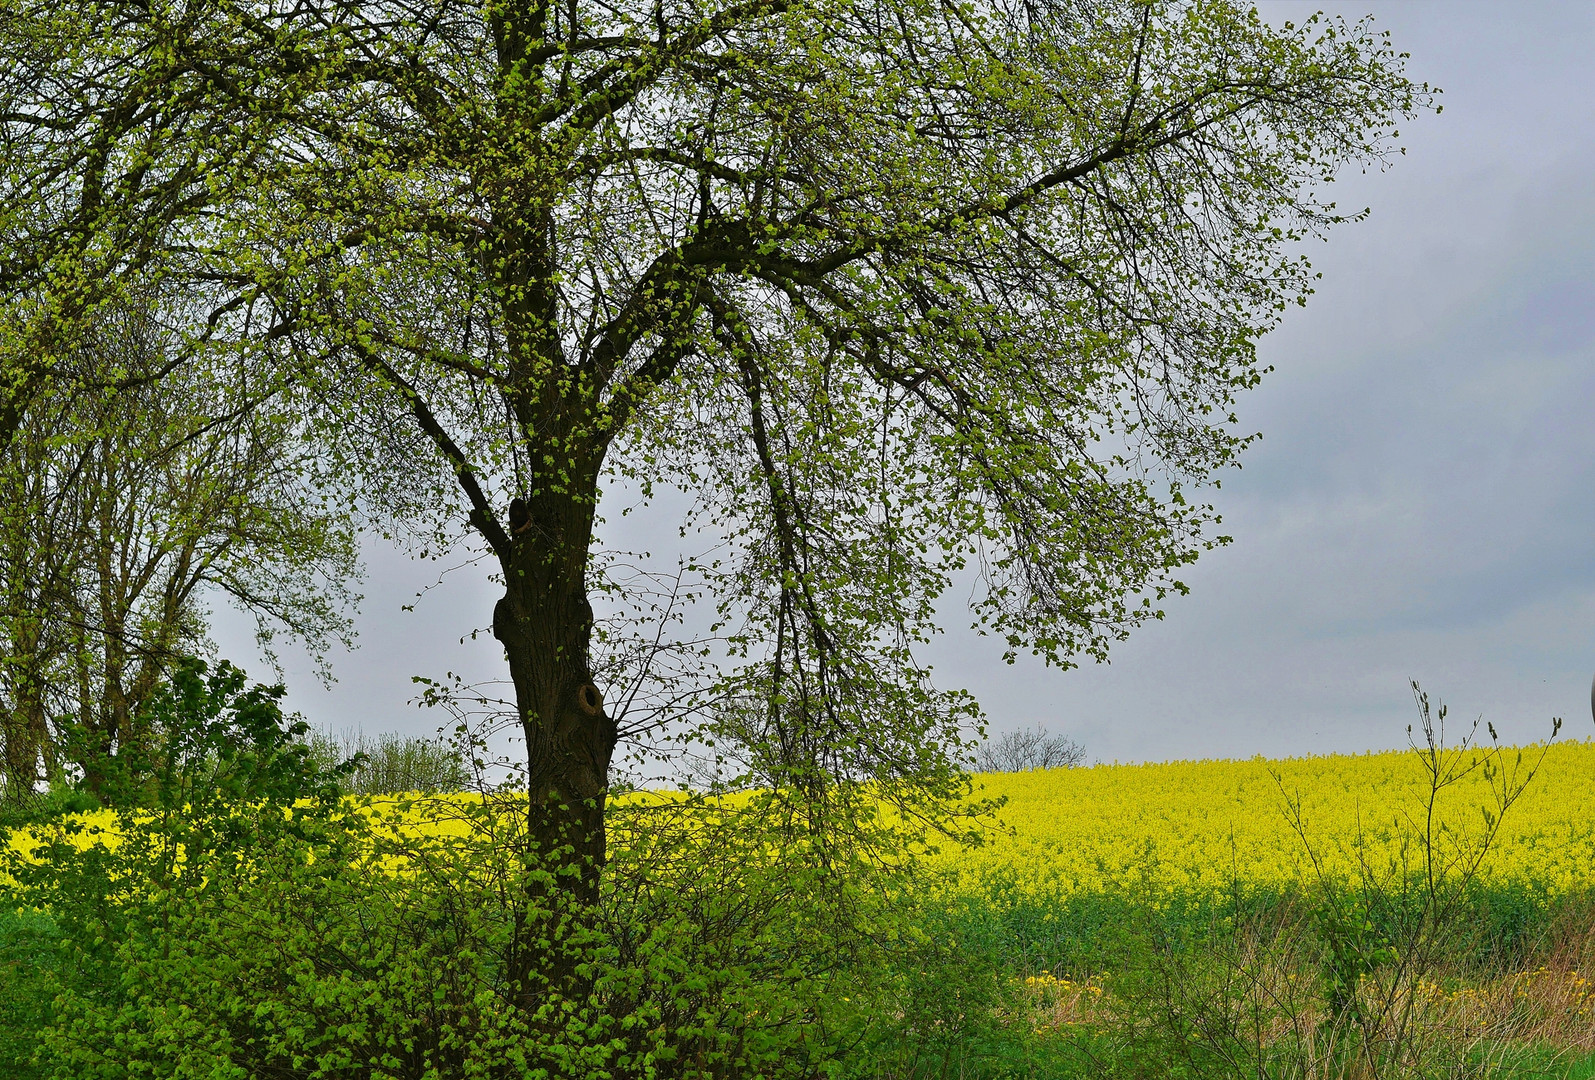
481	514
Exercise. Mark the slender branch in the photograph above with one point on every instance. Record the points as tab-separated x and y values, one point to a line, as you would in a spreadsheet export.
481	510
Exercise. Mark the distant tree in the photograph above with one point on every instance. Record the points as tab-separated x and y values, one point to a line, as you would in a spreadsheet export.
1025	749
890	289
392	764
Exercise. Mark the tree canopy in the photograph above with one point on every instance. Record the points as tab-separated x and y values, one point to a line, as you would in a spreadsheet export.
888	288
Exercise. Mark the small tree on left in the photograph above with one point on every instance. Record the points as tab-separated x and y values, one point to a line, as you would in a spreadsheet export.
122	512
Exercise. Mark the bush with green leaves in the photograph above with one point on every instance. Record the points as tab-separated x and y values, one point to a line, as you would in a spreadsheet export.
243	919
302	961
190	810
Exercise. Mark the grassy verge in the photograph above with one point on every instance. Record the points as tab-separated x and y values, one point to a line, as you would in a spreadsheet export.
28	950
1079	936
1109	986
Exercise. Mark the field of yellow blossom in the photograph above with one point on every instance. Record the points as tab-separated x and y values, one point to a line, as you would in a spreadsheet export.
1206	826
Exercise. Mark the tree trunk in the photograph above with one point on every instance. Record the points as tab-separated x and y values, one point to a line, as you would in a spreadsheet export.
545	623
22	750
23	728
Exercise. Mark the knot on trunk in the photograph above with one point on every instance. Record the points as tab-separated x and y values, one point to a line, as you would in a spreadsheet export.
589	700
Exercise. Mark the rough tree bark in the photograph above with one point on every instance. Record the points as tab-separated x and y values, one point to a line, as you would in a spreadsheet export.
545	623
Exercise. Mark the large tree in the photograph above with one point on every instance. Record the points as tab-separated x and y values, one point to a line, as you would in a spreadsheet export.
892	288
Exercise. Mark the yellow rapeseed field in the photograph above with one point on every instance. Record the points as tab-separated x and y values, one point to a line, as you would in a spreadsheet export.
1204	825
1207	825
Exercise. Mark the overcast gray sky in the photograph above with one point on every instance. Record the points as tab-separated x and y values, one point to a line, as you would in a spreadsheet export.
1421	505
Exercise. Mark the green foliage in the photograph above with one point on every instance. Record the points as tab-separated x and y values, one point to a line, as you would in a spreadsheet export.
29	945
107	194
1076	935
942	1005
1356	948
240	919
303	960
215	745
124	514
224	779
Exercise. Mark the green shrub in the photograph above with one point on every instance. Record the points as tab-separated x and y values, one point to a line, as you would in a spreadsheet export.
251	923
301	961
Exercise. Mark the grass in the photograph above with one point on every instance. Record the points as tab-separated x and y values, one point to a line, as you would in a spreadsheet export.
1218	989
